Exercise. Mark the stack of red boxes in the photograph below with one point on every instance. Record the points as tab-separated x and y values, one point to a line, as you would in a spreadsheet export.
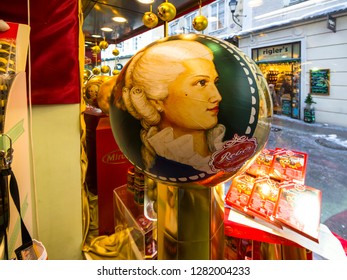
272	189
112	170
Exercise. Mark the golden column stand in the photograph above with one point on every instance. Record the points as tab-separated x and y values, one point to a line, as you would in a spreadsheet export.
190	222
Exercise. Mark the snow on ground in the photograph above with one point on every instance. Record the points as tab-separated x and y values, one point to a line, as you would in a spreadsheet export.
332	138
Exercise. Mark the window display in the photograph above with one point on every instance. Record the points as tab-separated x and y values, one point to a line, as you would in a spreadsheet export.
285	78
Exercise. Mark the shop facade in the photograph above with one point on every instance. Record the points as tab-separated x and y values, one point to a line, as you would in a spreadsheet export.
281	65
301	50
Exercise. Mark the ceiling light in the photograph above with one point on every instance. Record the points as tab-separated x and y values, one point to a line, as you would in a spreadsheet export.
119	19
106	29
146	1
96	36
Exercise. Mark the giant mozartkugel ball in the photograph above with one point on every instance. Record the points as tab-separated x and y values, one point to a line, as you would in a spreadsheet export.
245	111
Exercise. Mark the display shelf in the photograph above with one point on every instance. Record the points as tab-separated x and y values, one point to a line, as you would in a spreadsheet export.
129	214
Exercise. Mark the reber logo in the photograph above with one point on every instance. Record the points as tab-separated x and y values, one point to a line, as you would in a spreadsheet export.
234	154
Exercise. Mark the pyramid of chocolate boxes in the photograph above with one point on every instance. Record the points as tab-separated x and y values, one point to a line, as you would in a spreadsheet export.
273	189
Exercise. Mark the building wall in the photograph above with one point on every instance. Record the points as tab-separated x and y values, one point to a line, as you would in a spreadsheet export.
56	153
327	50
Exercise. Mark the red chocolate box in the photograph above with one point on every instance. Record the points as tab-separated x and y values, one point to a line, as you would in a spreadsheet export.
112	171
299	208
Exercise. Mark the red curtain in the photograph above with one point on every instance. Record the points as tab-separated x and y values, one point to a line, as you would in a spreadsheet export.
54	35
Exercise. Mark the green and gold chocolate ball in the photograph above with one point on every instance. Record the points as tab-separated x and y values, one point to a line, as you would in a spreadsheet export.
239	114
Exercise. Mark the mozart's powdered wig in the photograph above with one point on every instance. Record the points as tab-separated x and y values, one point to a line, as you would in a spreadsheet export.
147	78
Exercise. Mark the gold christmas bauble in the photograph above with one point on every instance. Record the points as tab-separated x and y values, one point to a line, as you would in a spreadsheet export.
115	52
166	11
103	45
150	19
105	69
200	23
115	72
85	77
96	71
92	89
86	74
96	49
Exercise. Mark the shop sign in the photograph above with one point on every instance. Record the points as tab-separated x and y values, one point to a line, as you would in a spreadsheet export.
286	107
278	52
319	81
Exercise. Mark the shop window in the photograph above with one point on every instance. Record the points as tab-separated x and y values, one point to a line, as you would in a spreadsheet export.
188	22
284	78
173	28
120	46
281	66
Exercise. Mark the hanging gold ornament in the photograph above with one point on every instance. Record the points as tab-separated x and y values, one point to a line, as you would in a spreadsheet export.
86	74
115	72
96	49
105	69
85	78
103	45
200	23
166	11
115	52
96	71
150	19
